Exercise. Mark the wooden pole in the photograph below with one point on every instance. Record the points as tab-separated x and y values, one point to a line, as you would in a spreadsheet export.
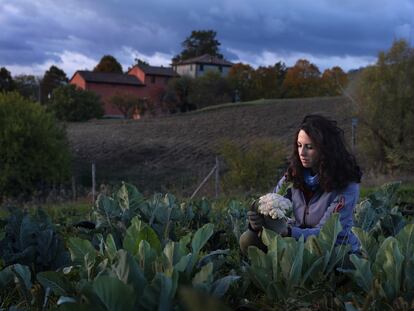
93	182
203	182
217	179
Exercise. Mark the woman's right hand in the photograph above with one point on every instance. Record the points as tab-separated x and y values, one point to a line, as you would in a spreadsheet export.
256	220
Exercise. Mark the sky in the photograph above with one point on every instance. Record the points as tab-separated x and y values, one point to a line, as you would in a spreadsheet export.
75	34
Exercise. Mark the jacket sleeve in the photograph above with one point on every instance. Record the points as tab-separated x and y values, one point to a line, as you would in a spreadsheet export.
344	204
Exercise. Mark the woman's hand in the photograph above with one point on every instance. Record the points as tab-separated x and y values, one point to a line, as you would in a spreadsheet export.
256	220
287	231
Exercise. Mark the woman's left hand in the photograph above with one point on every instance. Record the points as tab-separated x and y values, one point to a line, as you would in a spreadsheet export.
286	231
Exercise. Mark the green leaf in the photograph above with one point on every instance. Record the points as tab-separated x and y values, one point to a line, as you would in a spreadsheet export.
221	286
128	271
110	247
291	262
80	249
276	246
269	238
173	253
327	237
369	245
389	263
205	275
56	281
147	257
261	265
137	232
183	263
159	294
23	274
313	270
114	294
122	196
201	237
406	239
135	198
258	258
6	277
362	273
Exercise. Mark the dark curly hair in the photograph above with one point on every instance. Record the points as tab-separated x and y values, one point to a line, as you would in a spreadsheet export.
337	166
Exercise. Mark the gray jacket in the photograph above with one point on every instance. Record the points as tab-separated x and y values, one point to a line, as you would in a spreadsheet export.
310	217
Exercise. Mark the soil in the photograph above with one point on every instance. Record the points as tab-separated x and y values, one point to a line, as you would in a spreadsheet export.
175	152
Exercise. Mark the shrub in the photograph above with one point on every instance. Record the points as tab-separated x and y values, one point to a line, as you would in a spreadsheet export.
129	104
385	95
70	103
33	147
253	170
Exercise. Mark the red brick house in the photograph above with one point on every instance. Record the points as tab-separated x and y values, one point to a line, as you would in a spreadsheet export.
141	80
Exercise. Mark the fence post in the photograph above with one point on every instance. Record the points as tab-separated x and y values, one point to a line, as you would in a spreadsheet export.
74	197
93	182
217	183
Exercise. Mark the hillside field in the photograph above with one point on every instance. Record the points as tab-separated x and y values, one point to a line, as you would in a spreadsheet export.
174	153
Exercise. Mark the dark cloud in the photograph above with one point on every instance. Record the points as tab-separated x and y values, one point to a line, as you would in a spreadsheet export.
35	32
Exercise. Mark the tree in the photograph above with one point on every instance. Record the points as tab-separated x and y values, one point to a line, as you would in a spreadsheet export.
240	80
70	103
200	42
209	89
6	80
27	86
333	81
385	96
129	104
302	80
178	93
53	78
108	63
33	147
268	80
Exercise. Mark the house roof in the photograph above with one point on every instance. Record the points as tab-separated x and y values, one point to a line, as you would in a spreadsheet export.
158	71
106	77
206	59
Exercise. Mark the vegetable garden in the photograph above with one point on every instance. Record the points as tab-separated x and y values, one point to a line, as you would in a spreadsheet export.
157	253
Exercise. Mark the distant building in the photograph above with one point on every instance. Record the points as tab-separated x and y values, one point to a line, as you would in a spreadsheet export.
141	80
198	66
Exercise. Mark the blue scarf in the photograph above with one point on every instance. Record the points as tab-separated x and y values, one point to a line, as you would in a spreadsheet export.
312	182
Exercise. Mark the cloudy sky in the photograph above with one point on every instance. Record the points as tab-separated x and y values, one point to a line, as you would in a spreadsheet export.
75	34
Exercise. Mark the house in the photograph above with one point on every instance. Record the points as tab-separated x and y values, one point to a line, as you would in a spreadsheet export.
142	80
198	66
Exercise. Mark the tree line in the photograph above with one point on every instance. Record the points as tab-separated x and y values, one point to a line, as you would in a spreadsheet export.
243	83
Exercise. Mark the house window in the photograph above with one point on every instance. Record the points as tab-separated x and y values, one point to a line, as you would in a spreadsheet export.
201	67
152	79
220	68
191	67
166	80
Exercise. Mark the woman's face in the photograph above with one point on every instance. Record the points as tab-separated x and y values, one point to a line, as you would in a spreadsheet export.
308	155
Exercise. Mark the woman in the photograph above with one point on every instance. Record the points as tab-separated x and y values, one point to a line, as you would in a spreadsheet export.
325	178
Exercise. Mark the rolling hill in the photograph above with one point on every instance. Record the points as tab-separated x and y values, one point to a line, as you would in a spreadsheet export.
174	153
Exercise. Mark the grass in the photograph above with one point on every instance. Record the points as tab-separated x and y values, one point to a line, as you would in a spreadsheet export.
60	213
